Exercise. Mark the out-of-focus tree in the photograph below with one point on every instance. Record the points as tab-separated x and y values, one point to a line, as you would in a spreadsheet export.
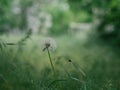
5	15
24	5
88	5
82	10
9	18
15	14
61	16
109	27
60	20
106	15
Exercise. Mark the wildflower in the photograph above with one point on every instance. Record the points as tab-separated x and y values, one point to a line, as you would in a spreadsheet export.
49	43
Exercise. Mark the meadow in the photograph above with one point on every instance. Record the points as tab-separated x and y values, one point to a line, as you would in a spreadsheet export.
80	62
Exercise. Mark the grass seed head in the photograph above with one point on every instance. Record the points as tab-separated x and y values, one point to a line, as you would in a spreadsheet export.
49	43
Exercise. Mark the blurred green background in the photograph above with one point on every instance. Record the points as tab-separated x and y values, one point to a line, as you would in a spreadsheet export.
87	33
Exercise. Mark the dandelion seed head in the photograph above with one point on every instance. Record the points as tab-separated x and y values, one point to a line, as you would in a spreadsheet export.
49	43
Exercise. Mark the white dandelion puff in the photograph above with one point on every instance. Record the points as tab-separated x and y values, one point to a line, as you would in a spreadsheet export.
49	43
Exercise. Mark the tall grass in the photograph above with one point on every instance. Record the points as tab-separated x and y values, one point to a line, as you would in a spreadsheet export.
80	65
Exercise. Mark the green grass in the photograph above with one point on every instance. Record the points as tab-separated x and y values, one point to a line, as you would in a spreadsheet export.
28	68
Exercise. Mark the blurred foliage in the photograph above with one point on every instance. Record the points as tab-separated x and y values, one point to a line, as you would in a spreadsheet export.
60	19
82	16
107	12
88	5
81	10
10	20
24	5
5	15
109	28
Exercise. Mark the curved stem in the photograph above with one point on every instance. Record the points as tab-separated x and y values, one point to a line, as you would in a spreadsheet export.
51	61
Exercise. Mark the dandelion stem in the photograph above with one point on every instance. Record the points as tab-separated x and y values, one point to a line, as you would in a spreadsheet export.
51	61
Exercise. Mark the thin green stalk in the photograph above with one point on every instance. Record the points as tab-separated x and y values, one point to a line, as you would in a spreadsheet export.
51	61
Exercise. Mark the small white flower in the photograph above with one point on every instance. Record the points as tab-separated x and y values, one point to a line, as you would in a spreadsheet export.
49	43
